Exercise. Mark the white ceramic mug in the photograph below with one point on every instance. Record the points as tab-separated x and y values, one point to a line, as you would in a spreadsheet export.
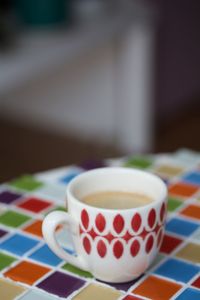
115	245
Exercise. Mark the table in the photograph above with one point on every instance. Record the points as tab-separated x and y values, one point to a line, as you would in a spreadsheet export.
29	270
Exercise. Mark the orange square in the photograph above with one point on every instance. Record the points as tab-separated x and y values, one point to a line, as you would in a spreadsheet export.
183	189
26	272
34	228
156	288
191	211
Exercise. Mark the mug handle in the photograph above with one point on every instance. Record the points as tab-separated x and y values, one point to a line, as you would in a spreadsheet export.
49	225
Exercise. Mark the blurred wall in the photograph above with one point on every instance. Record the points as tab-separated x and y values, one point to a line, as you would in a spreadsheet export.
105	94
72	98
178	59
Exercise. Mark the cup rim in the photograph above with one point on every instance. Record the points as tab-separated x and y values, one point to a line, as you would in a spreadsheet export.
73	182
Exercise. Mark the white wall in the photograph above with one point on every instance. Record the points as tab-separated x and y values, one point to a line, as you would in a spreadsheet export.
104	94
76	97
134	89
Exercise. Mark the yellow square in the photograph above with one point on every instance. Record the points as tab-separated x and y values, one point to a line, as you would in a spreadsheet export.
190	252
98	292
169	171
9	291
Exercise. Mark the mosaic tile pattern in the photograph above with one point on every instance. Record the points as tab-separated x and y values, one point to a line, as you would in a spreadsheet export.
101	292
9	290
26	272
36	295
168	171
12	218
77	271
61	284
2	232
139	162
196	283
45	255
18	244
177	270
5	260
173	204
34	204
9	197
183	189
26	183
30	270
181	226
169	244
190	252
192	211
192	177
156	288
34	228
189	294
130	297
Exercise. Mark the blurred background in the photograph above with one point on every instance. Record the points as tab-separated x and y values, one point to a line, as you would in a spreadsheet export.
91	79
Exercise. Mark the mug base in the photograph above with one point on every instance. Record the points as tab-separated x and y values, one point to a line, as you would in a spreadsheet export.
118	280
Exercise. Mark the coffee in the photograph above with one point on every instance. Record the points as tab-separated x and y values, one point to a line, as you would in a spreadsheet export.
116	199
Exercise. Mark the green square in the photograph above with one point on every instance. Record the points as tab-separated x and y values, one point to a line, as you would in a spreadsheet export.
13	219
61	208
173	203
139	162
26	182
77	271
5	260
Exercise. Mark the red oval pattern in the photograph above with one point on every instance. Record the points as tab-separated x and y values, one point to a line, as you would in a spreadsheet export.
85	219
101	248
151	217
100	222
149	244
136	222
118	223
135	248
118	249
162	212
87	245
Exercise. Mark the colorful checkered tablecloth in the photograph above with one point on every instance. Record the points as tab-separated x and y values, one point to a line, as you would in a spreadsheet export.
30	271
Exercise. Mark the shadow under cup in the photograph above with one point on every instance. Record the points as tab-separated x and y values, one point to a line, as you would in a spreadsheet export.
117	245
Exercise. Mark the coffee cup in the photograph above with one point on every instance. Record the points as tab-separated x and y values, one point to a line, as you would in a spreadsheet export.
116	243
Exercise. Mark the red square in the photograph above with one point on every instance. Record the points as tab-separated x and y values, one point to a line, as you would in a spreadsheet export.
196	283
129	297
169	243
34	204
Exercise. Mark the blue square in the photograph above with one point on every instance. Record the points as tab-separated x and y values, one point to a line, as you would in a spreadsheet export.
180	226
45	255
189	294
18	244
177	270
193	177
37	295
67	178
